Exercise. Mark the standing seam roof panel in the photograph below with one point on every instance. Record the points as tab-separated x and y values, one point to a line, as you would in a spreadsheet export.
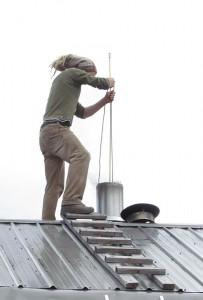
46	256
170	248
43	255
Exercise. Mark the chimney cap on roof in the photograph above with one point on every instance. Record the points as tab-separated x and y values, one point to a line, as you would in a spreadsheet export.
140	213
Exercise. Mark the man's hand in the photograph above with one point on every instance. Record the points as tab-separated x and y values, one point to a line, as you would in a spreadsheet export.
92	109
111	82
109	97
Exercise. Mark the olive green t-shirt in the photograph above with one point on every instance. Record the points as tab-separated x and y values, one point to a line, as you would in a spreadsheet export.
63	102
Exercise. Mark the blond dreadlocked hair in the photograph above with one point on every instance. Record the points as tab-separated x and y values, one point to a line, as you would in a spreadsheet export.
73	61
60	63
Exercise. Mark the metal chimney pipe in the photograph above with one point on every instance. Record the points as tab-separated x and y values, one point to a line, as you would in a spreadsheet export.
110	199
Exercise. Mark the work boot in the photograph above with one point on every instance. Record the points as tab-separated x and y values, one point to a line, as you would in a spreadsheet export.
76	209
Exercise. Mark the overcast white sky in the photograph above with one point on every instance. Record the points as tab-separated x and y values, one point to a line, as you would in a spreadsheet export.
157	62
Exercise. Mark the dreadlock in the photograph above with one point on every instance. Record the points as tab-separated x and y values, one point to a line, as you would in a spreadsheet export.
60	63
73	61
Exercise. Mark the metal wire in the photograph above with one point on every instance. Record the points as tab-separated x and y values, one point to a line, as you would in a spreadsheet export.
100	147
110	137
110	134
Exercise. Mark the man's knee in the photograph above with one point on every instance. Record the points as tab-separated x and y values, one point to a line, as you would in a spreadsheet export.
84	155
87	156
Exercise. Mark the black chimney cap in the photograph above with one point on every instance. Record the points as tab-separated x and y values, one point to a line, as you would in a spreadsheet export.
140	213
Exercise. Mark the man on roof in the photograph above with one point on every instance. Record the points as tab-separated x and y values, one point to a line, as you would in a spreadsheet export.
57	141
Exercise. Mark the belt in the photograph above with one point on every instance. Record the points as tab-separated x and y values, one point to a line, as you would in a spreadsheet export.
65	123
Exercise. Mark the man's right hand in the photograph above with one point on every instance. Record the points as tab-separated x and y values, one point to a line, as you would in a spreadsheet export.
109	97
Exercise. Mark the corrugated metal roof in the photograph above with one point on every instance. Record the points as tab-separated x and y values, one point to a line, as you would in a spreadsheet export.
41	255
45	255
179	249
25	294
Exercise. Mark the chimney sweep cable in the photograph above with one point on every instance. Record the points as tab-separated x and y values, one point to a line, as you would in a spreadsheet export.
110	134
100	147
110	137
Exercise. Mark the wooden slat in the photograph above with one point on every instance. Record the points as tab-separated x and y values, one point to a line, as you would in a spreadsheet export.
117	249
128	259
92	224
97	232
129	281
92	216
164	282
109	241
140	270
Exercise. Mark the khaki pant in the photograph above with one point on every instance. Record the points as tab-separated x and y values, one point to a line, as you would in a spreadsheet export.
58	145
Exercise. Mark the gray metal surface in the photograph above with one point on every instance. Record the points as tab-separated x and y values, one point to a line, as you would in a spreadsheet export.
47	255
110	199
25	294
41	255
178	249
